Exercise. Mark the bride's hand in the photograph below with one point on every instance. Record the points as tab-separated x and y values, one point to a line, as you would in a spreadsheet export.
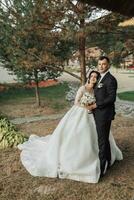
91	107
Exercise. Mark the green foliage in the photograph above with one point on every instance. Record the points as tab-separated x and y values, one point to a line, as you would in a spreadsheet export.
27	76
92	63
29	40
9	136
41	35
113	43
64	49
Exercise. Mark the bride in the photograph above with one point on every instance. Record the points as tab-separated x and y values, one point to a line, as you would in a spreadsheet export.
71	151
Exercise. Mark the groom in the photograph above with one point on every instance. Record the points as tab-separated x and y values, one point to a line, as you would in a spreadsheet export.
104	110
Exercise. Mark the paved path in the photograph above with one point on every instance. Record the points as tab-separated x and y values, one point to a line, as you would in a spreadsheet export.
131	103
23	120
5	77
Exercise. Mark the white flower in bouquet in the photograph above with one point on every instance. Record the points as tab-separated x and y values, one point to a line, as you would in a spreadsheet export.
87	99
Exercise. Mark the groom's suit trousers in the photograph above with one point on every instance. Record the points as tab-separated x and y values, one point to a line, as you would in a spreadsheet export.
103	129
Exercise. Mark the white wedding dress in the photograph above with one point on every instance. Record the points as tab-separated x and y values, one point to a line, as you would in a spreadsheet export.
71	151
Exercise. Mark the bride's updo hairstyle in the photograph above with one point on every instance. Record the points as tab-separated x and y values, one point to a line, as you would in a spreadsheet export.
98	76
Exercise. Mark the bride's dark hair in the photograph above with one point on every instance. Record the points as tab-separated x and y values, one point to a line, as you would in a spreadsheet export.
98	76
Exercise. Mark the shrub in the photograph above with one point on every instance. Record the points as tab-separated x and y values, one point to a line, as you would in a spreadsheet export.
9	136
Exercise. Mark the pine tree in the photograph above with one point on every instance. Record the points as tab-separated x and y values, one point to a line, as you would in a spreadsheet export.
30	40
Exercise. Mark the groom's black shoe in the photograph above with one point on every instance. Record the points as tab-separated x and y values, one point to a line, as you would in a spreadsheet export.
101	175
104	169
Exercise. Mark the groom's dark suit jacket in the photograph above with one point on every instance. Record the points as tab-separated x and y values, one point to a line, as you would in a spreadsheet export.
105	94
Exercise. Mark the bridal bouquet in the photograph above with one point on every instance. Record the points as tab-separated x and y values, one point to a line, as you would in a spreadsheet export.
87	99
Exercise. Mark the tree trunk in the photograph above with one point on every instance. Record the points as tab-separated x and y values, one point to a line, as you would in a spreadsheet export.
82	41
37	88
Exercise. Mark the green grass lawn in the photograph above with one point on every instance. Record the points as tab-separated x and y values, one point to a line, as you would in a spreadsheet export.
53	96
128	96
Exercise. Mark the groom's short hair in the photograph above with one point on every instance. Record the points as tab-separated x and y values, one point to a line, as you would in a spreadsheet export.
104	57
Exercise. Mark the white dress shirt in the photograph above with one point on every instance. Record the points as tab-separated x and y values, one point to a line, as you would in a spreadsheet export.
102	75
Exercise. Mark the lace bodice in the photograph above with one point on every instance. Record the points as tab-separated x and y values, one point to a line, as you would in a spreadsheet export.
81	91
